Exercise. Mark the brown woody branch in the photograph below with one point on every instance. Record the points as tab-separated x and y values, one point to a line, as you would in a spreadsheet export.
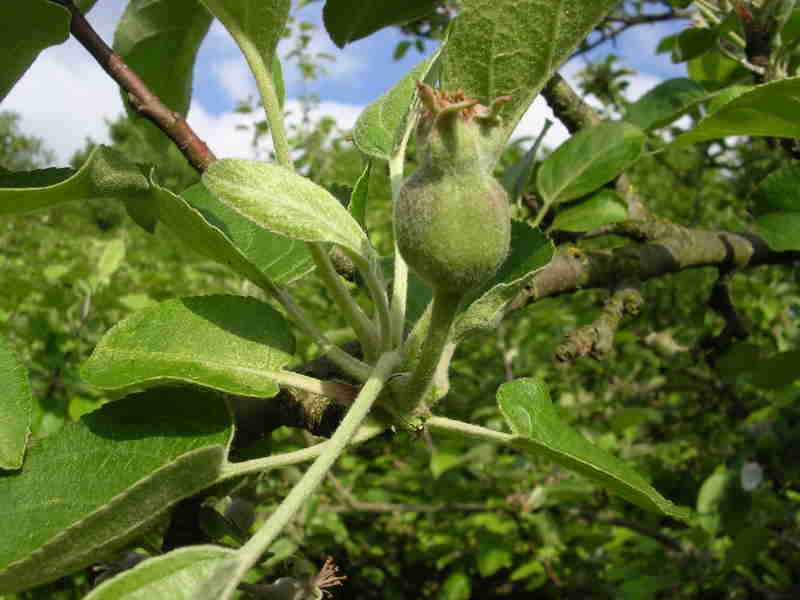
141	98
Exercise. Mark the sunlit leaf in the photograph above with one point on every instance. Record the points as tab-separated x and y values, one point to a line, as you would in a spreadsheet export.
93	487
512	47
528	410
15	408
283	202
182	574
229	343
105	174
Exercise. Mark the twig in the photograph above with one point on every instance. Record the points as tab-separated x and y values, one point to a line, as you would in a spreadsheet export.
597	339
141	98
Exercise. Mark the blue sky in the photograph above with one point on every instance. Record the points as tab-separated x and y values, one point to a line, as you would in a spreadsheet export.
65	97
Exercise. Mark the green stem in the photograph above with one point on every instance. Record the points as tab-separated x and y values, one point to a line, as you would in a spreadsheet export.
400	282
298	381
252	551
348	363
358	320
377	290
468	430
443	313
259	465
264	81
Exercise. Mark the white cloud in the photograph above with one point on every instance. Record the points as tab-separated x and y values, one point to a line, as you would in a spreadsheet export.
222	136
234	78
65	98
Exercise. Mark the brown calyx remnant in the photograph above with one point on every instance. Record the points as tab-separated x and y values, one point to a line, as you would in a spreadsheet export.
437	102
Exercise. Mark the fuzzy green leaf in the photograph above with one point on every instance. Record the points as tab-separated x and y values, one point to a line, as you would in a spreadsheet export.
105	174
530	252
15	408
589	159
28	28
380	126
151	30
529	412
664	103
192	228
770	110
228	343
512	47
601	209
93	487
177	575
282	259
351	20
283	202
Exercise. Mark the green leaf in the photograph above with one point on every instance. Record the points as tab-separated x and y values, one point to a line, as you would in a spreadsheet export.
380	126
351	20
358	198
178	575
494	553
664	103
770	110
143	212
512	47
778	370
693	42
283	202
96	485
147	33
781	230
714	69
457	586
528	410
228	343
516	177
110	260
779	191
191	227
589	159
281	259
530	252
601	209
710	498
442	461
29	28
105	174
15	409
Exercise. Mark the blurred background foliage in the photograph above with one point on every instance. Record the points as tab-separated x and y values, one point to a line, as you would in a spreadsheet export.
409	517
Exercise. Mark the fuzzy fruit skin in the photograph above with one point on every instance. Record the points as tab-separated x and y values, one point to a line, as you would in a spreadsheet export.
453	227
